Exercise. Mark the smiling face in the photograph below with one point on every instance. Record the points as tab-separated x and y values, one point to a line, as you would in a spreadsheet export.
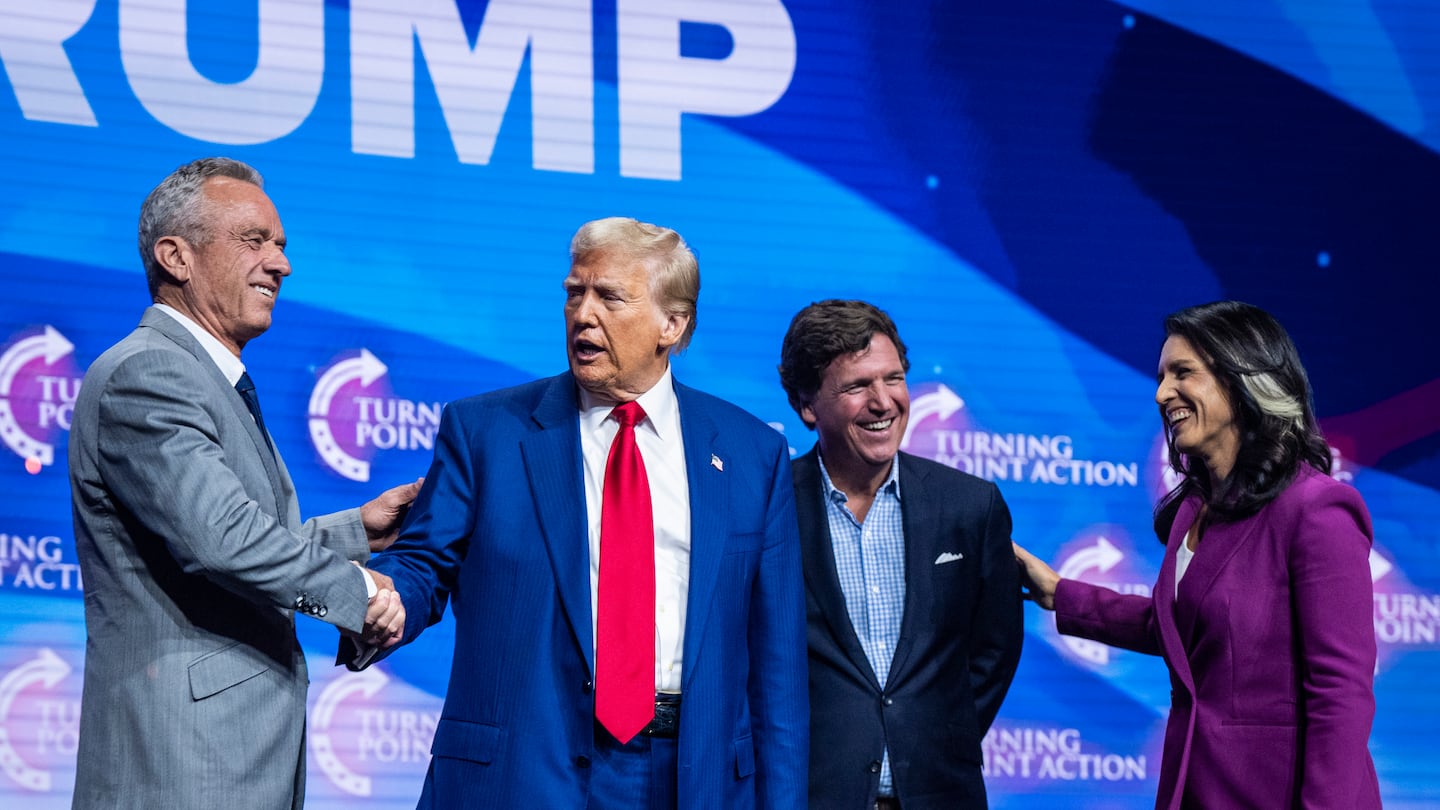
1195	408
860	412
229	283
618	337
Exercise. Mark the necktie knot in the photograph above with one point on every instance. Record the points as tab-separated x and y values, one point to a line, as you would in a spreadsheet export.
628	414
245	385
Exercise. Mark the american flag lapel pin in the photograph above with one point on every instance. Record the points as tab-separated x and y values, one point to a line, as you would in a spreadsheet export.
717	463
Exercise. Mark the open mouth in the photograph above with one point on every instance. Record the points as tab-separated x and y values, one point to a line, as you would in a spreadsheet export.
876	427
585	350
268	292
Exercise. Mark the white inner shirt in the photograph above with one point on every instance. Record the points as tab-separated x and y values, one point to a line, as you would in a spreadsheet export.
663	449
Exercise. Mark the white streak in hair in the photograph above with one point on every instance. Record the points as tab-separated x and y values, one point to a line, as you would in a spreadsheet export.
1271	398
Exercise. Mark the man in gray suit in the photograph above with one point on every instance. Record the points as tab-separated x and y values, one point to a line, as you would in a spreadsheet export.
188	531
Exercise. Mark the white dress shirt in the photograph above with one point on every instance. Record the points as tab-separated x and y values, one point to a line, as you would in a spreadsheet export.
663	450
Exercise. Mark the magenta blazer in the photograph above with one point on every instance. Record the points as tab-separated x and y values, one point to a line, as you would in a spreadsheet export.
1271	649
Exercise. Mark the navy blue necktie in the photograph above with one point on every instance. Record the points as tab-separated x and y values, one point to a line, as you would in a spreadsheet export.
246	387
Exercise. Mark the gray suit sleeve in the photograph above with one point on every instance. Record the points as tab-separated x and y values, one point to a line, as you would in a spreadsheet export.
197	482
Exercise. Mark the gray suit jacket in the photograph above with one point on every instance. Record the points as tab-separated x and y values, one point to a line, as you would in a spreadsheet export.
194	560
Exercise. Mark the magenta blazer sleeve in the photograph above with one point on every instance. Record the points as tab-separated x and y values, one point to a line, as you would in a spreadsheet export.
1100	614
1333	602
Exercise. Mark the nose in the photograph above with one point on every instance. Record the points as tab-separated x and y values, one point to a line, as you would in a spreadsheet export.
880	399
278	263
1164	391
582	309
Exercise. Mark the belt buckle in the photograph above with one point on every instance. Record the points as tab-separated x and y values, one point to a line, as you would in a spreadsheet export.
666	723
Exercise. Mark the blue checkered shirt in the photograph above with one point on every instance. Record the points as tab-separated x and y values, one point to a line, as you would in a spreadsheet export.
870	559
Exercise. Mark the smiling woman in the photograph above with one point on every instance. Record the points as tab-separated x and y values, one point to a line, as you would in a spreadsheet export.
1263	607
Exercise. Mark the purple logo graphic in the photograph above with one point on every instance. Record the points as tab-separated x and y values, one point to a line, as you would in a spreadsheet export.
38	386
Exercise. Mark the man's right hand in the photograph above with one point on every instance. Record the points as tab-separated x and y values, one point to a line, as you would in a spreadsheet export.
385	616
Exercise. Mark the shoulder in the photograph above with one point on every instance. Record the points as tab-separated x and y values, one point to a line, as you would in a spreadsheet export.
932	474
736	422
1312	488
518	400
145	358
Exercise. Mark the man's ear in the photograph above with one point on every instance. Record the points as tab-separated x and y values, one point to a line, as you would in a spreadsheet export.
807	415
175	257
672	329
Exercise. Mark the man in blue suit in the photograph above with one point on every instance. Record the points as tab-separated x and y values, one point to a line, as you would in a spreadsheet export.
912	594
519	524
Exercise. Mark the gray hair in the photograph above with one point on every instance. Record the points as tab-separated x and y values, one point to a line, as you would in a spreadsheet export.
177	207
674	270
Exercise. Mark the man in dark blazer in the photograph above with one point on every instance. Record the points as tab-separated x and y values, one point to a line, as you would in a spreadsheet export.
188	530
513	525
912	594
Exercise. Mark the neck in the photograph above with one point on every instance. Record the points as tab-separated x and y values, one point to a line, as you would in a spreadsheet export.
860	480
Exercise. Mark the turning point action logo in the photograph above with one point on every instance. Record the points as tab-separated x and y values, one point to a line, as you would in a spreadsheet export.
353	414
38	386
940	429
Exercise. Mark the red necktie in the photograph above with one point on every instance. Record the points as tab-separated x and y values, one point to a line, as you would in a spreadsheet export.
625	615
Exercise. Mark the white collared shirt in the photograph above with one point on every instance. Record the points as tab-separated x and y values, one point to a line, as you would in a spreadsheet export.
663	450
228	363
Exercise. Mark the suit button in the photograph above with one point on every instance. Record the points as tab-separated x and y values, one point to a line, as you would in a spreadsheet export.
875	766
582	761
889	701
587	687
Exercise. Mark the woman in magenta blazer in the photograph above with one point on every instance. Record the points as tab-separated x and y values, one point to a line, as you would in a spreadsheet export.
1263	607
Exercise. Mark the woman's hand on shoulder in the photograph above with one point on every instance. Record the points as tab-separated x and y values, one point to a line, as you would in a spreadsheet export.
1037	580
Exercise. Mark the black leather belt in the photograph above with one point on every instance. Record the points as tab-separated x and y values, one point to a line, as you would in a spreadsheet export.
666	724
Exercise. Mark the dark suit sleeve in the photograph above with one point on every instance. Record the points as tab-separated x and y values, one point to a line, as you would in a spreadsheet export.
999	627
778	687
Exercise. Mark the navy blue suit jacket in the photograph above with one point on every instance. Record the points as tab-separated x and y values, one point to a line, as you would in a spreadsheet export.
959	645
499	529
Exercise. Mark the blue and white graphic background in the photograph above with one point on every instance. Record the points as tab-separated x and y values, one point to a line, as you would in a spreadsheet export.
1027	187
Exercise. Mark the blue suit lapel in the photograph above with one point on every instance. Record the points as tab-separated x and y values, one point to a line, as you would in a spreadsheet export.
709	507
917	509
552	466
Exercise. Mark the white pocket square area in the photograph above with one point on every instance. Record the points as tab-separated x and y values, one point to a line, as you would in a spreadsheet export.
948	557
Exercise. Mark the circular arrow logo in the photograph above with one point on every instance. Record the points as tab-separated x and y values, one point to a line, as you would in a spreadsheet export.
37	391
333	415
46	669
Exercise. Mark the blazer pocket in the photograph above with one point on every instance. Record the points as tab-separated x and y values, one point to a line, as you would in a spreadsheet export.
744	757
460	739
214	672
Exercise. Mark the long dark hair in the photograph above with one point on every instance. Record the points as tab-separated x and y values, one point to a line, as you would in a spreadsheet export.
1259	369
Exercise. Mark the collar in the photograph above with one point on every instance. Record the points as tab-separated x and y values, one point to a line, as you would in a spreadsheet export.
662	410
892	481
228	363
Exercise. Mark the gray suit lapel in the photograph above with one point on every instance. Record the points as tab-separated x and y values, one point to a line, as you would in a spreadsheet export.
223	391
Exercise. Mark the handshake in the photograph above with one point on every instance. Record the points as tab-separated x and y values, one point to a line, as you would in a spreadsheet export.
384	617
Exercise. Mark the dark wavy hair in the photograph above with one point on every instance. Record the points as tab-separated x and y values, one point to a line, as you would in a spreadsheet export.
1259	370
822	332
